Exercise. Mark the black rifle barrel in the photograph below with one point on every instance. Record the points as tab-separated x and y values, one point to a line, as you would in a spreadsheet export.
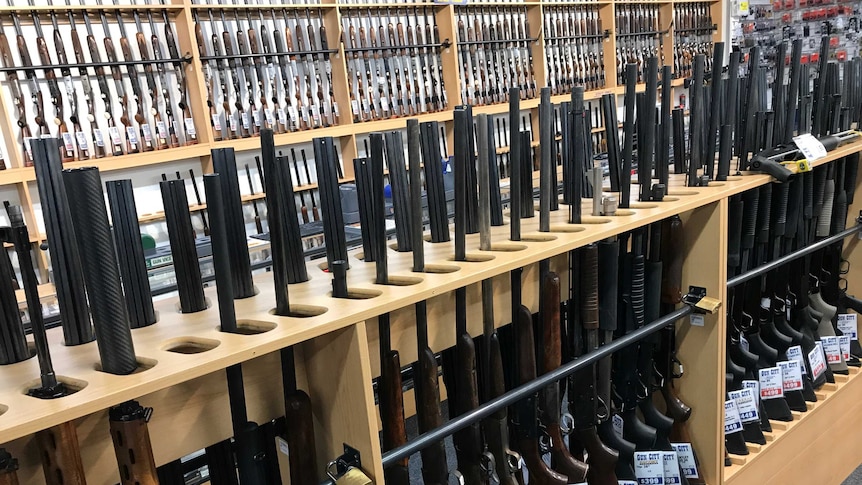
414	155
515	165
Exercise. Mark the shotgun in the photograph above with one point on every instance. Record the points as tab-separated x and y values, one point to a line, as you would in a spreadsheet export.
8	468
166	134
182	81
132	446
209	70
17	95
132	140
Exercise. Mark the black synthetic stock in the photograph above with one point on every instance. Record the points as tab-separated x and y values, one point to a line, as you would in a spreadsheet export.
647	133
400	191
695	126
224	163
130	253
462	157
101	275
612	137
330	199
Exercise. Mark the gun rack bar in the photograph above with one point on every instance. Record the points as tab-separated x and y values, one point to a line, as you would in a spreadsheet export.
19	9
805	450
185	60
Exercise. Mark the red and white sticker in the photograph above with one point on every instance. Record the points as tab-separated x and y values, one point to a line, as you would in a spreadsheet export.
817	360
844	343
792	374
771	383
832	347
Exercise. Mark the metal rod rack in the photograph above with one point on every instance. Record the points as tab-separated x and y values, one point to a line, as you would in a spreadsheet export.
648	33
185	59
604	35
444	44
761	270
498	41
270	54
706	29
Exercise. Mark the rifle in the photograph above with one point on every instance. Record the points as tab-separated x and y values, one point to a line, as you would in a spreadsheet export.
132	446
311	85
249	75
132	142
242	126
198	200
279	120
324	89
264	121
17	95
179	69
113	133
145	132
549	312
67	153
35	92
257	223
83	148
215	117
8	468
300	76
68	149
287	67
166	135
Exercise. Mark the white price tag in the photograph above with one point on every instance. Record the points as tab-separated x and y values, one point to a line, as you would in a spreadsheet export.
233	124
162	130
82	140
847	325
27	146
270	118
354	105
114	134
294	116
685	456
649	467
618	425
335	111
132	136
627	482
732	422
795	353
696	319
832	347
282	115
810	146
817	361
217	122
245	122
97	135
844	342
384	104
148	133
755	388
68	142
671	468
771	383
743	343
190	127
255	115
792	375
746	404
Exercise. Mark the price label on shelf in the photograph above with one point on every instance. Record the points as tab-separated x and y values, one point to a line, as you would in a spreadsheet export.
617	421
847	325
844	342
671	468
817	360
832	347
685	456
755	388
746	404
649	467
792	373
771	383
732	422
810	146
795	353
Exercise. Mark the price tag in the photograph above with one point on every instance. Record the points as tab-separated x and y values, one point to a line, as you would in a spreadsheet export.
245	121
696	319
743	342
792	374
68	142
618	425
795	353
132	136
817	361
148	133
627	482
810	146
847	325
732	422
190	127
114	134
282	115
685	457
755	388
771	383
82	140
335	111
844	342
255	115
233	124
832	347
267	113
671	468
97	136
743	8
162	130
746	404
649	467
384	104
217	122
354	105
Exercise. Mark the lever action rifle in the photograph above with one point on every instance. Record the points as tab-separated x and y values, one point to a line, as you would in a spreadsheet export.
146	134
81	138
96	57
209	67
182	81
17	95
132	142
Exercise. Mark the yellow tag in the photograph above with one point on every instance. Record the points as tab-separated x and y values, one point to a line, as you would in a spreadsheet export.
743	8
353	476
803	166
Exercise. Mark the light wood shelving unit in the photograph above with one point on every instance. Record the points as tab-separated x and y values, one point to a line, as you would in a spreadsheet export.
337	350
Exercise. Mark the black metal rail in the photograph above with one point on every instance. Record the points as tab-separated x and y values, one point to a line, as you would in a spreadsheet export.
186	59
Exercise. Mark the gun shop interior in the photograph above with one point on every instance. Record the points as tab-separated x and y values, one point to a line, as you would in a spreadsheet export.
540	242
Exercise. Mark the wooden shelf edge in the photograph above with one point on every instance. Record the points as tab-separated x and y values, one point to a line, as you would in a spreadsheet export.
807	451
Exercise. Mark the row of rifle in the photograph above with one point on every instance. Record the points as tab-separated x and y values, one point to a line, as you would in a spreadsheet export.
573	48
394	67
150	119
786	338
639	37
495	50
693	30
268	72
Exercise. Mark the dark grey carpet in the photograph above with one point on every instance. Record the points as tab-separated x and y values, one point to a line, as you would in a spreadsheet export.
855	478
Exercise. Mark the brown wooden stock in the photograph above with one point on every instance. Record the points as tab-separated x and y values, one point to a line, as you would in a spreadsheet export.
134	452
496	426
61	455
300	439
562	460
602	459
392	404
540	473
672	251
434	468
8	477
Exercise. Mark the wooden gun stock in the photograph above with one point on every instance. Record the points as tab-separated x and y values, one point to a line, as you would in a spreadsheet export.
574	469
496	426
468	441
300	438
8	469
434	467
61	455
132	444
392	413
527	423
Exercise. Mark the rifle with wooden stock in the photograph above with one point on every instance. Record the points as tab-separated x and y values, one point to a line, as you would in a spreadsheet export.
210	67
144	134
132	142
8	468
182	82
17	94
132	446
102	78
